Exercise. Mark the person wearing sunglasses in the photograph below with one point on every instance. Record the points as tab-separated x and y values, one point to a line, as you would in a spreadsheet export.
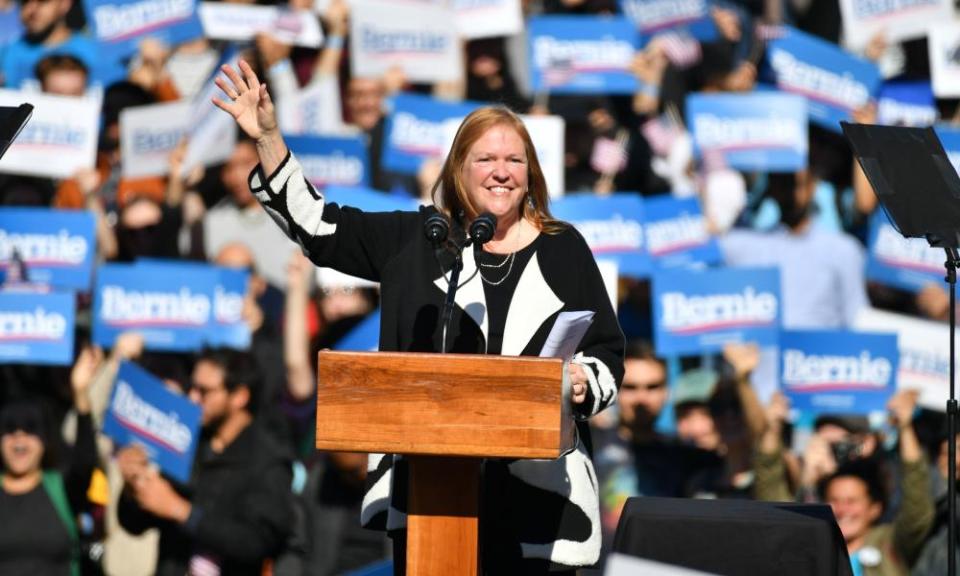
39	500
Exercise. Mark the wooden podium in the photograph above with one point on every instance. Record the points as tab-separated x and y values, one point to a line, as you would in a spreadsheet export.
445	412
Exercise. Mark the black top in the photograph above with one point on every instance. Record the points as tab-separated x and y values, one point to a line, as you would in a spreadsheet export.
33	539
241	508
500	278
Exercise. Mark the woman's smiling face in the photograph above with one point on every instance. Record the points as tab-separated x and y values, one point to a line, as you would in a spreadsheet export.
495	174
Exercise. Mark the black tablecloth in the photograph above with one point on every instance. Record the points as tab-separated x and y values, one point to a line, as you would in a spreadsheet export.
734	537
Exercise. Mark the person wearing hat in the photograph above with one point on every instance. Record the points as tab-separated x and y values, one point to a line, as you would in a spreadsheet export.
43	498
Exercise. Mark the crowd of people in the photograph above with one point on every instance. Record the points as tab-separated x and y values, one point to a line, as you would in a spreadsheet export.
260	497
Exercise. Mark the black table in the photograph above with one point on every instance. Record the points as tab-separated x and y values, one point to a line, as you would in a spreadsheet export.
734	537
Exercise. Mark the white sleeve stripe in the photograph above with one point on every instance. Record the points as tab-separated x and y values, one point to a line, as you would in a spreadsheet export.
592	381
603	386
280	179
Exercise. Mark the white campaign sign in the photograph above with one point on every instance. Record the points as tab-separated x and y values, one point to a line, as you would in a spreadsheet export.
213	132
60	137
547	133
924	353
944	48
610	272
148	134
487	18
898	19
421	39
242	22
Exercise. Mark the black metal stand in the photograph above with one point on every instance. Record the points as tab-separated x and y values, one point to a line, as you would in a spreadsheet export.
952	263
450	299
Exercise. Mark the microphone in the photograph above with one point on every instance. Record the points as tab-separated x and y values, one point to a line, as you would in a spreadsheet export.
482	228
436	229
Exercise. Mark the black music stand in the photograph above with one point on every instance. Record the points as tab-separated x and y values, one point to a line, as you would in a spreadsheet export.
919	190
12	121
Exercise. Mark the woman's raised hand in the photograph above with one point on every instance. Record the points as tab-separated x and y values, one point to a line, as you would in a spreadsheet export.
249	103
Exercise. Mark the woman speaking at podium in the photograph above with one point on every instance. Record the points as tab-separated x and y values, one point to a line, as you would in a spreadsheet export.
536	515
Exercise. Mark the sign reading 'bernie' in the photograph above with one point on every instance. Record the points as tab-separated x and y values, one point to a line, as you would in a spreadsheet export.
838	372
142	411
698	311
56	246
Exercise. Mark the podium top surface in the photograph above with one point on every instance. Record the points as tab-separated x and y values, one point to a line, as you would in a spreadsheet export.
443	404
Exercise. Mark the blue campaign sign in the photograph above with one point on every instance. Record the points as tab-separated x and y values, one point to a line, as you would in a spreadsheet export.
838	372
764	131
950	138
229	328
676	233
332	160
120	25
612	227
906	263
364	337
834	82
414	130
37	328
654	16
582	54
142	411
906	104
369	200
171	306
699	311
57	246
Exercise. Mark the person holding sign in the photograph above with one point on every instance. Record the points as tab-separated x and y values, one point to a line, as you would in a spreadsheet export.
235	513
854	489
546	512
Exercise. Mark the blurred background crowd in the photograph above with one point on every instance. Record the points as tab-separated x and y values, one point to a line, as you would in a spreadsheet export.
698	427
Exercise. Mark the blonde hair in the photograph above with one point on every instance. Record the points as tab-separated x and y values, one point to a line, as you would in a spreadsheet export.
451	196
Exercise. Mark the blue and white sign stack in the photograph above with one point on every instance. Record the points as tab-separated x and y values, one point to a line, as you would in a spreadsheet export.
332	161
905	263
36	328
582	55
174	306
697	311
950	138
834	82
838	372
142	411
612	227
676	233
761	131
57	246
414	130
120	25
906	104
686	16
38	306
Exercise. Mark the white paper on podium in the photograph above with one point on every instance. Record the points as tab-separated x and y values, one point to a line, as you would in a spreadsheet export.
566	334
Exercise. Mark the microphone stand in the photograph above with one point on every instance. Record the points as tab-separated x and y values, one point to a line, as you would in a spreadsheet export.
448	302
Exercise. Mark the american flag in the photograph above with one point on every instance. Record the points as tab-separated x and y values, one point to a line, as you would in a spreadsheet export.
609	155
681	49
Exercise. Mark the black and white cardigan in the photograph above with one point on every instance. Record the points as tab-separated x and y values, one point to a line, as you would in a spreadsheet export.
390	248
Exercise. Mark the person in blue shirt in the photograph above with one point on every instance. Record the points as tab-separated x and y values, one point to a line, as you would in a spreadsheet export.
45	32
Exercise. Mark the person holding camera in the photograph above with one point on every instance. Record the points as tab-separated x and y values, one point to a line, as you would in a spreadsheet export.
848	478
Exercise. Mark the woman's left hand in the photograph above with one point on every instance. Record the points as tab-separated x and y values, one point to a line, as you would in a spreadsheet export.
578	382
